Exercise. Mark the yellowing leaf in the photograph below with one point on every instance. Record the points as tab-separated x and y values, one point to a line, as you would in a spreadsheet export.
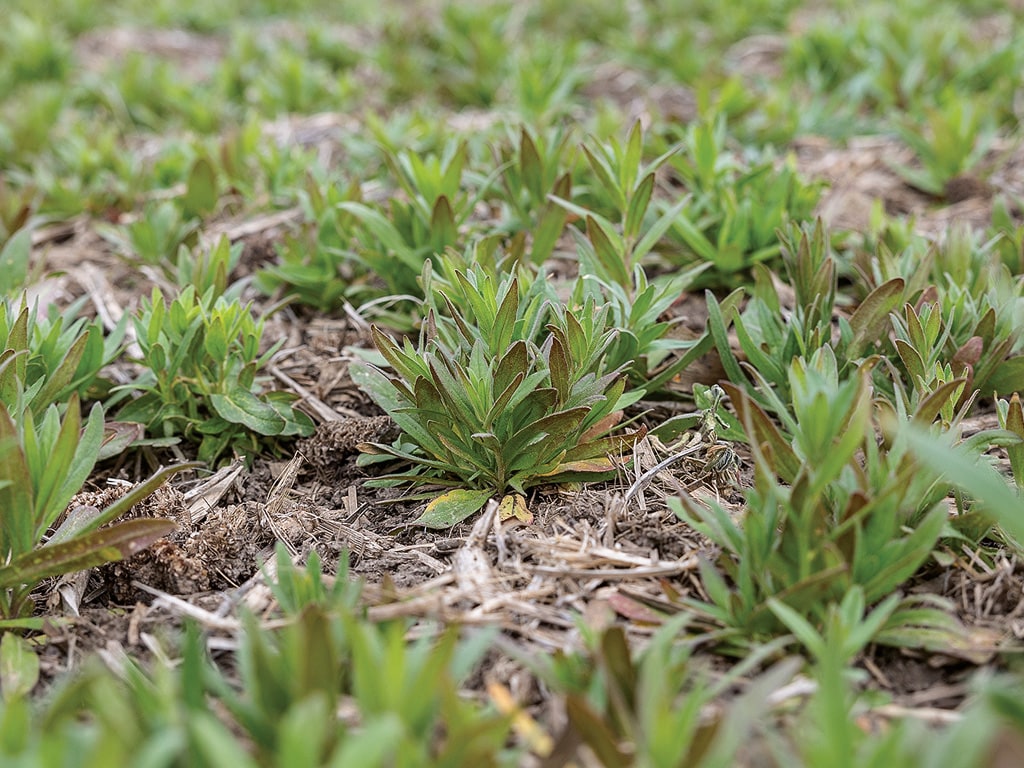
514	505
529	729
597	464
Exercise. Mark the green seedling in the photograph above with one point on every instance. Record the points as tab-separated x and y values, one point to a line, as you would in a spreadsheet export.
477	53
1008	236
544	79
47	359
153	238
734	207
828	728
316	263
145	91
394	244
851	514
770	340
27	122
897	60
645	346
651	707
293	83
461	55
492	413
533	173
623	188
208	269
949	144
201	356
642	345
90	170
42	465
31	51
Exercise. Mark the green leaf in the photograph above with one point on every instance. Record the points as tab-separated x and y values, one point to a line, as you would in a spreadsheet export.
17	507
609	250
240	406
550	223
453	507
215	340
658	230
720	335
530	165
297	422
200	196
505	319
630	164
603	173
981	481
697	242
638	207
19	667
443	229
784	461
870	320
384	230
14	261
214	744
83	453
62	375
1007	378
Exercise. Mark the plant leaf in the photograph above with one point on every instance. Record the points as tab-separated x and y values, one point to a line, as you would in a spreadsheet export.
452	508
868	321
19	667
240	406
103	546
514	505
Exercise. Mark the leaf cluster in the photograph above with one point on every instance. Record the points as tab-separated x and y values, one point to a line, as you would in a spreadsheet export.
488	409
734	205
201	356
283	706
850	512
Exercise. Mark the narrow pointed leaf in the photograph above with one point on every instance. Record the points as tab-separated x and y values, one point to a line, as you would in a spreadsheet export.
86	551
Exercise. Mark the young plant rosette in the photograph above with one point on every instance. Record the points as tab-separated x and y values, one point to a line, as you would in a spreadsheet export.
490	425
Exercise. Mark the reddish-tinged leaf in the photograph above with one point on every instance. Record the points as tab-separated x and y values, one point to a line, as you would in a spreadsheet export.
633	609
968	355
601	426
596	733
870	319
91	549
752	416
117	436
1015	424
